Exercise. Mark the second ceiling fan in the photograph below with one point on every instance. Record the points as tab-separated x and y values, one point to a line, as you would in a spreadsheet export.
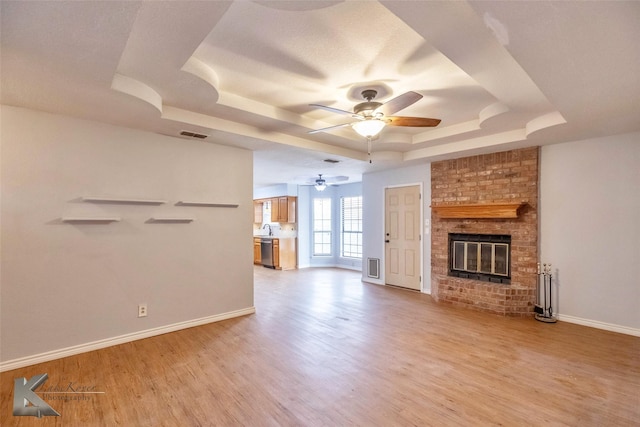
371	116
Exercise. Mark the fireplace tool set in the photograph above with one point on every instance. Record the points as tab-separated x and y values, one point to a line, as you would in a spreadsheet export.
544	313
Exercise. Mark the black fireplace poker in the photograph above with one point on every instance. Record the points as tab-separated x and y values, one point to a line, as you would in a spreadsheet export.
544	313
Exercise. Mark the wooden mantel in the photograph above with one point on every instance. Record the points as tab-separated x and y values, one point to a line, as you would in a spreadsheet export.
487	210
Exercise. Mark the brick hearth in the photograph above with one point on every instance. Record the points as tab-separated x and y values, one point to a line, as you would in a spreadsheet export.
510	176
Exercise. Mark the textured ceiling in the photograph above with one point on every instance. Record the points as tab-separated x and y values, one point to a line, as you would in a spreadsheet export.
499	74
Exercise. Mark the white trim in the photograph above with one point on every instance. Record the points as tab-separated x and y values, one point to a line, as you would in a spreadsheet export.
600	325
332	265
108	342
349	267
373	281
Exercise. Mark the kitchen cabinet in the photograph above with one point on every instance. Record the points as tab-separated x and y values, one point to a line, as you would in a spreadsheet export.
287	207
275	210
284	252
283	209
257	254
276	254
257	211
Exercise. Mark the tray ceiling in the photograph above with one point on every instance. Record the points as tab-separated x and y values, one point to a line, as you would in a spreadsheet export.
500	75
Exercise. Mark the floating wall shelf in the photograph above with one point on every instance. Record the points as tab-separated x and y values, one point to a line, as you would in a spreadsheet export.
91	219
92	199
207	204
169	220
493	210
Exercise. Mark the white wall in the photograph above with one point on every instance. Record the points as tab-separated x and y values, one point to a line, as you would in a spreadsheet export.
275	191
304	225
66	284
373	185
590	211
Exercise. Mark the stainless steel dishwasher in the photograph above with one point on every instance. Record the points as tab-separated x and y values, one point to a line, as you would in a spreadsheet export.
266	252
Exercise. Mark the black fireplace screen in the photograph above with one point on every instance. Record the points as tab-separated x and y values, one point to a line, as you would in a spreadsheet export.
483	257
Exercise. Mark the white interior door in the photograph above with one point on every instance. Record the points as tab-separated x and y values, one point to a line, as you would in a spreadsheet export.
402	237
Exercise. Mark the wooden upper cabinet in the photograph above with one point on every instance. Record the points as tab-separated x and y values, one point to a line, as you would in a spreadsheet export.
275	210
287	209
257	211
283	209
293	201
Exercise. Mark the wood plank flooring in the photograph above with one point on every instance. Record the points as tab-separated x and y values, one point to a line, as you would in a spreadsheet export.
324	349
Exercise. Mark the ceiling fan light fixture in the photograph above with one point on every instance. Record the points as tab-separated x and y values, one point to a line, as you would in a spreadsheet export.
321	184
368	128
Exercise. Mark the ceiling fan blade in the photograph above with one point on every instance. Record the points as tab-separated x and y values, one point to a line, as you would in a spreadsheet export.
412	121
398	103
329	128
335	110
336	179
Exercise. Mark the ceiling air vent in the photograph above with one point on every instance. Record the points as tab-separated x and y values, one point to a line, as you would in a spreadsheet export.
193	134
332	161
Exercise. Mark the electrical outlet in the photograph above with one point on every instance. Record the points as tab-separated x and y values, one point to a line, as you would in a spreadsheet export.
142	310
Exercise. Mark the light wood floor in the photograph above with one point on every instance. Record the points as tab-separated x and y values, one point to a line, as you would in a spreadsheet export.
325	349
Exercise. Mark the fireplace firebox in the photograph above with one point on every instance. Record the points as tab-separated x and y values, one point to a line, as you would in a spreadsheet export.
485	257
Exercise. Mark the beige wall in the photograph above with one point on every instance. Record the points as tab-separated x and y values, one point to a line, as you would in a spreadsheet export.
373	188
66	284
590	232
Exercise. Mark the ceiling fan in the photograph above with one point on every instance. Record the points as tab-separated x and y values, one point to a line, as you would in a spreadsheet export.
371	116
321	183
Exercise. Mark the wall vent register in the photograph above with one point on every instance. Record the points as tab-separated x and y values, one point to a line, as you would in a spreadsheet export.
484	257
373	267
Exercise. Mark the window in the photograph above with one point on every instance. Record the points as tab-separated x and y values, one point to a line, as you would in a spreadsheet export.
321	227
351	227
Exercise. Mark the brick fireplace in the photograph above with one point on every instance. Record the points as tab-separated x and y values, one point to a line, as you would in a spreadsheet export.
492	194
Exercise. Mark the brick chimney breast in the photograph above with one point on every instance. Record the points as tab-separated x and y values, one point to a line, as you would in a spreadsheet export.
505	177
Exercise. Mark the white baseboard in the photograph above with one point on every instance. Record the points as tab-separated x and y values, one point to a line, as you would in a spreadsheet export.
373	281
349	267
332	265
599	325
381	282
96	345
